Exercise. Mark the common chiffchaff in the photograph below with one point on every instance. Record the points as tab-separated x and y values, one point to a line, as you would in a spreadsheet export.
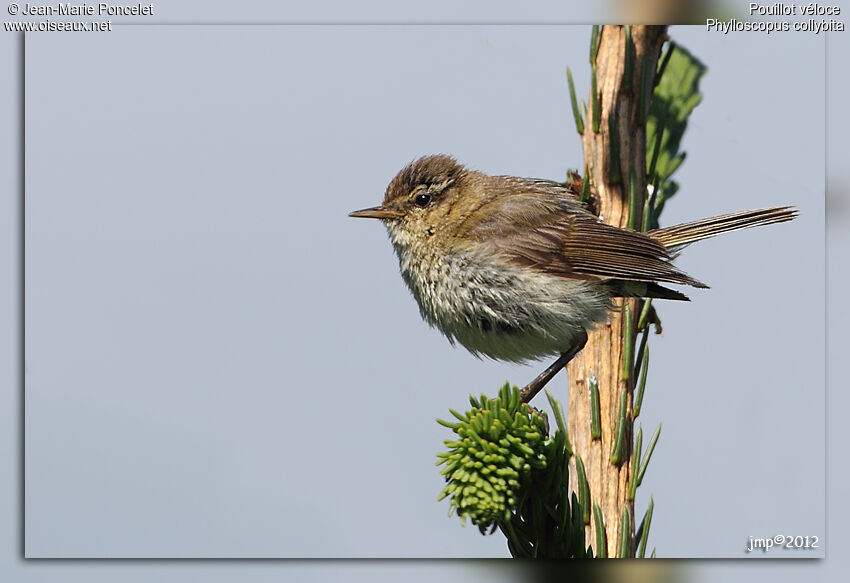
518	269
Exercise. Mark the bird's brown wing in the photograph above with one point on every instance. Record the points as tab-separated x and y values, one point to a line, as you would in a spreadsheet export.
556	236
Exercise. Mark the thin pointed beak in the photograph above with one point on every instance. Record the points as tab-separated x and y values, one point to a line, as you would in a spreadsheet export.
376	212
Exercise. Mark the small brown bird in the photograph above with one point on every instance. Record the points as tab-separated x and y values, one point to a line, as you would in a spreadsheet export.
518	269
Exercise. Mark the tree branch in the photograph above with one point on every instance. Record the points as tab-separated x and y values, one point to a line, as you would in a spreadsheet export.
615	156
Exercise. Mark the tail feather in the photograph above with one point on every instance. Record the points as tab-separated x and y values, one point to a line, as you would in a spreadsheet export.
677	236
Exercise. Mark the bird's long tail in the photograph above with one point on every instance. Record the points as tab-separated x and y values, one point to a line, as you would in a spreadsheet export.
677	236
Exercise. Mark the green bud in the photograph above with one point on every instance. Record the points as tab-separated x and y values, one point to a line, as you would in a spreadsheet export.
501	441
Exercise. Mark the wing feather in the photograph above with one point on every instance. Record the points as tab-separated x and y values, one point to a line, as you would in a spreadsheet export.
556	235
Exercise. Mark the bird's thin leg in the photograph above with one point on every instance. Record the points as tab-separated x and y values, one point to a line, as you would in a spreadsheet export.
534	387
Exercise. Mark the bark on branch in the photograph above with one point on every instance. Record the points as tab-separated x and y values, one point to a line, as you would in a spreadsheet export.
621	132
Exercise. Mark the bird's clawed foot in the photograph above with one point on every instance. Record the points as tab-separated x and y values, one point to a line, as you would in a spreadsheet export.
535	386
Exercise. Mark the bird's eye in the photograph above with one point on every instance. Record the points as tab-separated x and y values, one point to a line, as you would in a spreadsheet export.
422	200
